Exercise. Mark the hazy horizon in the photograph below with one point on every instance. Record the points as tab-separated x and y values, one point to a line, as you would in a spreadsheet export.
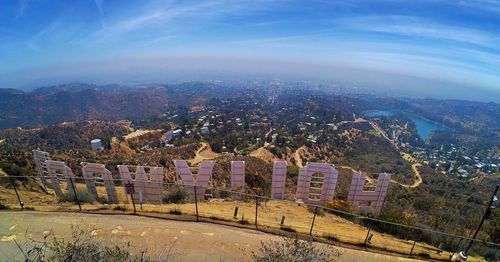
431	48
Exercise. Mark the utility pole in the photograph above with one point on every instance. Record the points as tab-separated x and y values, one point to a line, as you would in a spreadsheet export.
487	213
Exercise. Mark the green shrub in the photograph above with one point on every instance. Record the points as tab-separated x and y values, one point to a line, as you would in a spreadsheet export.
175	211
176	195
330	237
288	228
394	217
84	196
2	206
243	221
319	211
341	205
120	208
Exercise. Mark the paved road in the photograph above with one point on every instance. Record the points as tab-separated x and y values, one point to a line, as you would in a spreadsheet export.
190	241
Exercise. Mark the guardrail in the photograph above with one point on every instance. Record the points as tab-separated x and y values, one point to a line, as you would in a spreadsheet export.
226	206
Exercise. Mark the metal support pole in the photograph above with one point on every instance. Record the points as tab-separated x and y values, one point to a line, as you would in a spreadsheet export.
256	210
368	234
412	247
482	220
17	194
196	204
133	202
456	249
235	215
314	218
140	199
76	195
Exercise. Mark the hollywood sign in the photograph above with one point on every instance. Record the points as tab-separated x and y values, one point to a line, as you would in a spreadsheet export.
316	181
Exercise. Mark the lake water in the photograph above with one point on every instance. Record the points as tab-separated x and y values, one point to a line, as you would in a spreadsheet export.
424	126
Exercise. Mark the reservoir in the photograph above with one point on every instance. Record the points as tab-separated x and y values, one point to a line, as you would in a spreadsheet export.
424	126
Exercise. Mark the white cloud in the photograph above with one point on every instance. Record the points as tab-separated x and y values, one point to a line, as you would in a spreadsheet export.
418	27
181	15
22	6
99	4
492	6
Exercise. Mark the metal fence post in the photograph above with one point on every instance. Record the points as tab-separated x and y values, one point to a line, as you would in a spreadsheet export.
235	215
76	195
133	202
256	210
196	204
17	194
314	218
368	234
412	247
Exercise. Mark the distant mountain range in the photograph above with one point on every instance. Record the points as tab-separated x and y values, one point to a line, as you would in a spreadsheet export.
80	102
74	102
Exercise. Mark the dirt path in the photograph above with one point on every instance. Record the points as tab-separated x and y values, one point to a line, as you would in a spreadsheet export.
414	167
297	155
203	153
189	241
405	156
381	132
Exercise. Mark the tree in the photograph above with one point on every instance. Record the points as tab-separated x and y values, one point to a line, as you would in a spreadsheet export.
163	161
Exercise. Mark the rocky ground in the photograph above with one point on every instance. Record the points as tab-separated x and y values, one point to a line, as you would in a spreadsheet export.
182	241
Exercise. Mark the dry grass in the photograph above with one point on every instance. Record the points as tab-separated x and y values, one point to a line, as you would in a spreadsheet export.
297	216
140	132
264	154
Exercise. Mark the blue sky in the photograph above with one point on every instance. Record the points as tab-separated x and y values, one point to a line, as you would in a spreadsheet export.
448	43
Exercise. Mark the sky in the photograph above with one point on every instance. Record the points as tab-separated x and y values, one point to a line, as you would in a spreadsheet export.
428	47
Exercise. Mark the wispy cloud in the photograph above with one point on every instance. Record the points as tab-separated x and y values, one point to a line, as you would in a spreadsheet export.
492	6
420	28
99	4
22	6
180	15
267	40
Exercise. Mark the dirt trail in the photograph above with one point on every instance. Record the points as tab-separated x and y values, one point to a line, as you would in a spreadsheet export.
189	241
297	155
405	156
203	153
414	167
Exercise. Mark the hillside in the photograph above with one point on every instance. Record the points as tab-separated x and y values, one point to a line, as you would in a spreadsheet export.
49	105
440	183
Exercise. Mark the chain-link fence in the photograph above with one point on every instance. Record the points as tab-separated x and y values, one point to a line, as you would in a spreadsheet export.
196	203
